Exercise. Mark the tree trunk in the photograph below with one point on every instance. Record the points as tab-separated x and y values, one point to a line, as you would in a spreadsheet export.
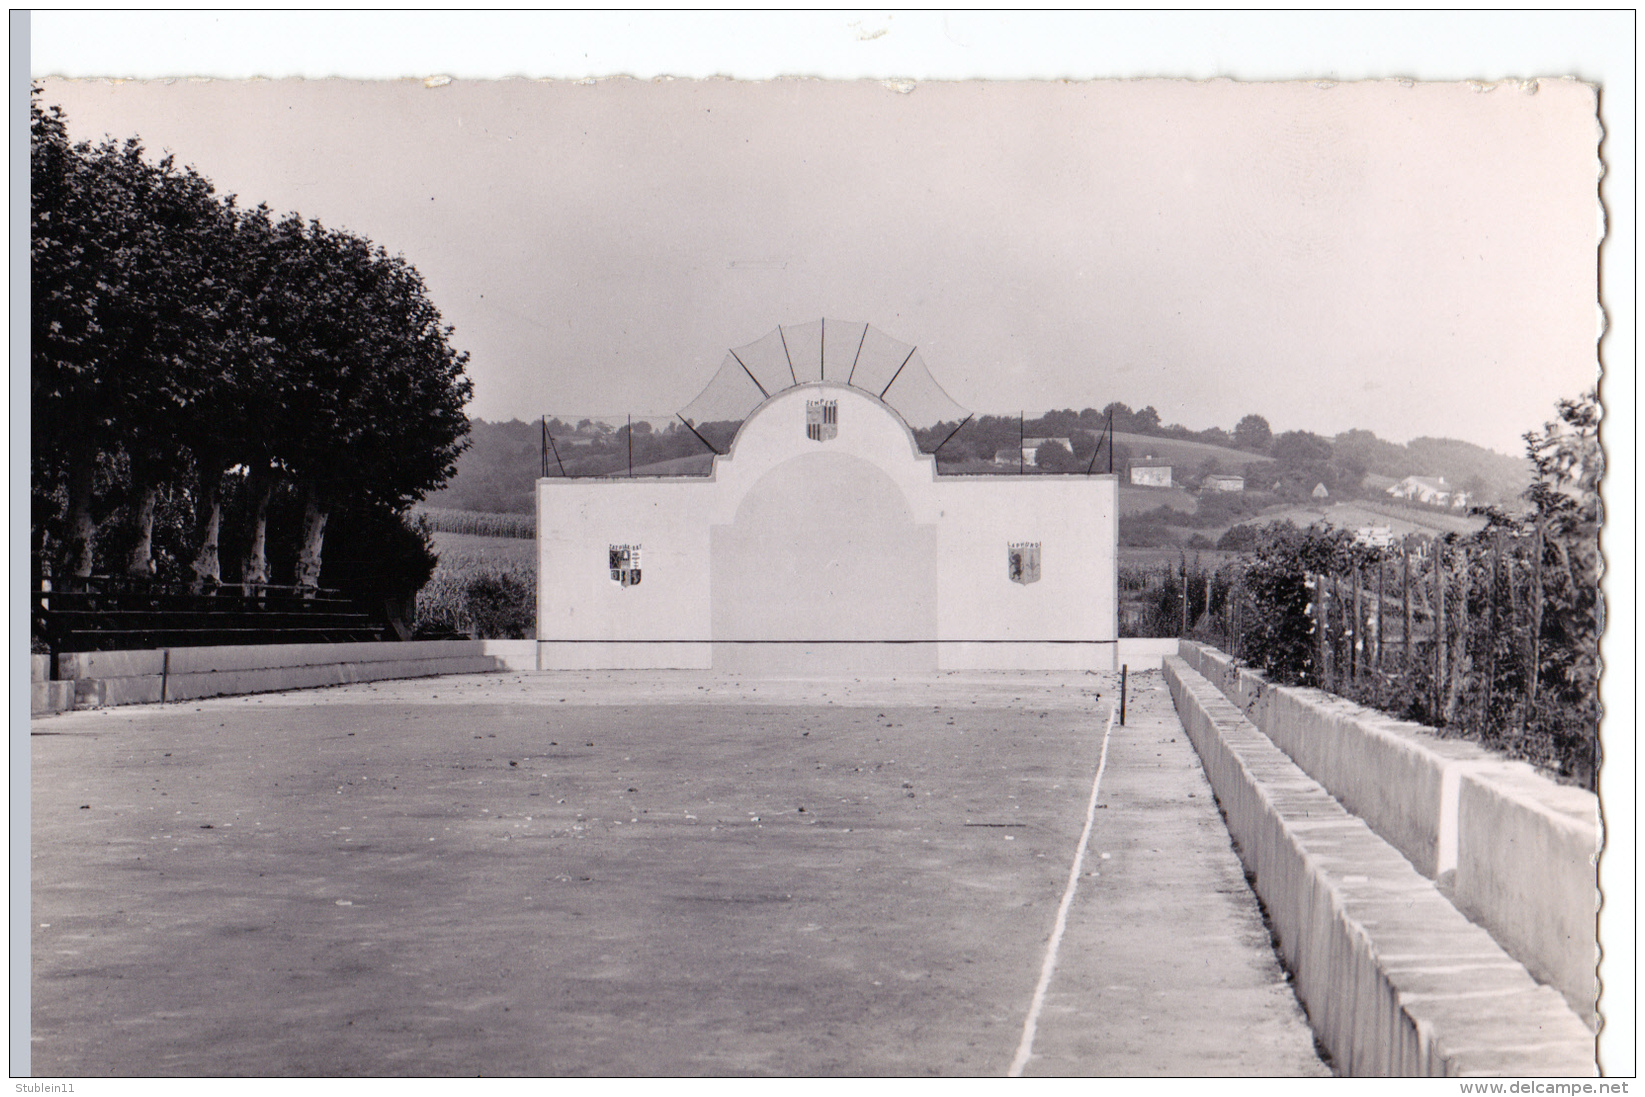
82	531
254	573
314	536
208	518
144	493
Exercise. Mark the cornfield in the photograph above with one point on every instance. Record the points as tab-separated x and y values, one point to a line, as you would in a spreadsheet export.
480	595
519	526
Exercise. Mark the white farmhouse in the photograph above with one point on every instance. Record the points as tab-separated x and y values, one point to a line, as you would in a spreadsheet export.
1432	490
1031	446
1148	475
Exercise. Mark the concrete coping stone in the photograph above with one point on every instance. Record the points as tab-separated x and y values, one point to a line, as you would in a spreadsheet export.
266	656
239	657
1565	805
1426	831
1360	926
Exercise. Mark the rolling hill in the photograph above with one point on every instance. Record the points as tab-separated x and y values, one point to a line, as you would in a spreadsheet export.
495	474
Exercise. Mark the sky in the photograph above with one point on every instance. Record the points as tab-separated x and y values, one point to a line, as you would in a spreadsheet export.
1410	258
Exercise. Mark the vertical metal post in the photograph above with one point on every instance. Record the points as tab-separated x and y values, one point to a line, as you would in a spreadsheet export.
1123	669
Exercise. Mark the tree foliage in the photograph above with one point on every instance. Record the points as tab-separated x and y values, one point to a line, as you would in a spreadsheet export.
1253	433
185	344
1513	658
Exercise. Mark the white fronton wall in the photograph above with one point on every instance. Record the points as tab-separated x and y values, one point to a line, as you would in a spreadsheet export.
845	554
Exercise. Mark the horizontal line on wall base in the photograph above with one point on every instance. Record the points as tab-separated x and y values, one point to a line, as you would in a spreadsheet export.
555	641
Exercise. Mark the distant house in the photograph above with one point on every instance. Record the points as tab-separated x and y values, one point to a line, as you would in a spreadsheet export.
1030	448
1225	483
1321	492
1432	490
1148	475
1374	536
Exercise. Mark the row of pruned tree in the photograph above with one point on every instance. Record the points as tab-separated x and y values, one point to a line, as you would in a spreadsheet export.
184	345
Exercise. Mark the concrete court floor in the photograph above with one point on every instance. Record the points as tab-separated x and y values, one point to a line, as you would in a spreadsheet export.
642	874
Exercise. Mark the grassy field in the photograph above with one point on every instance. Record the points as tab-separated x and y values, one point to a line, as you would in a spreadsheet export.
1184	454
1357	513
1141	500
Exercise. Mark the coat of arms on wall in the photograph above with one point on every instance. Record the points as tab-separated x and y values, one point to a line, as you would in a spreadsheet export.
625	565
1023	562
822	419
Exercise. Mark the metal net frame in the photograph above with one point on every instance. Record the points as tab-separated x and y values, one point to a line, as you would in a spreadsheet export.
850	353
855	354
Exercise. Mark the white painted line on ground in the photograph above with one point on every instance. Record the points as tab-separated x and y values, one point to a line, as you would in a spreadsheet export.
1026	1047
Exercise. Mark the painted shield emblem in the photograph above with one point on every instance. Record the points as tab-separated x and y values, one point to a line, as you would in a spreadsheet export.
625	565
1023	562
822	419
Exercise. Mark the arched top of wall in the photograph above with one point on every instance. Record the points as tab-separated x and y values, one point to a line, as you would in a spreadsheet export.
857	355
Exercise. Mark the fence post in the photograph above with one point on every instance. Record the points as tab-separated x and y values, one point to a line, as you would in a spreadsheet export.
1123	669
1441	639
1342	632
1184	631
1535	670
1493	624
1356	654
1322	628
1405	600
1454	688
1382	588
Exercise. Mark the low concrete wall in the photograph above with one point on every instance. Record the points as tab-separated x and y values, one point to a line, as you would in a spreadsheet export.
101	679
1399	778
1396	981
1522	848
45	695
511	654
1143	653
1528	873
